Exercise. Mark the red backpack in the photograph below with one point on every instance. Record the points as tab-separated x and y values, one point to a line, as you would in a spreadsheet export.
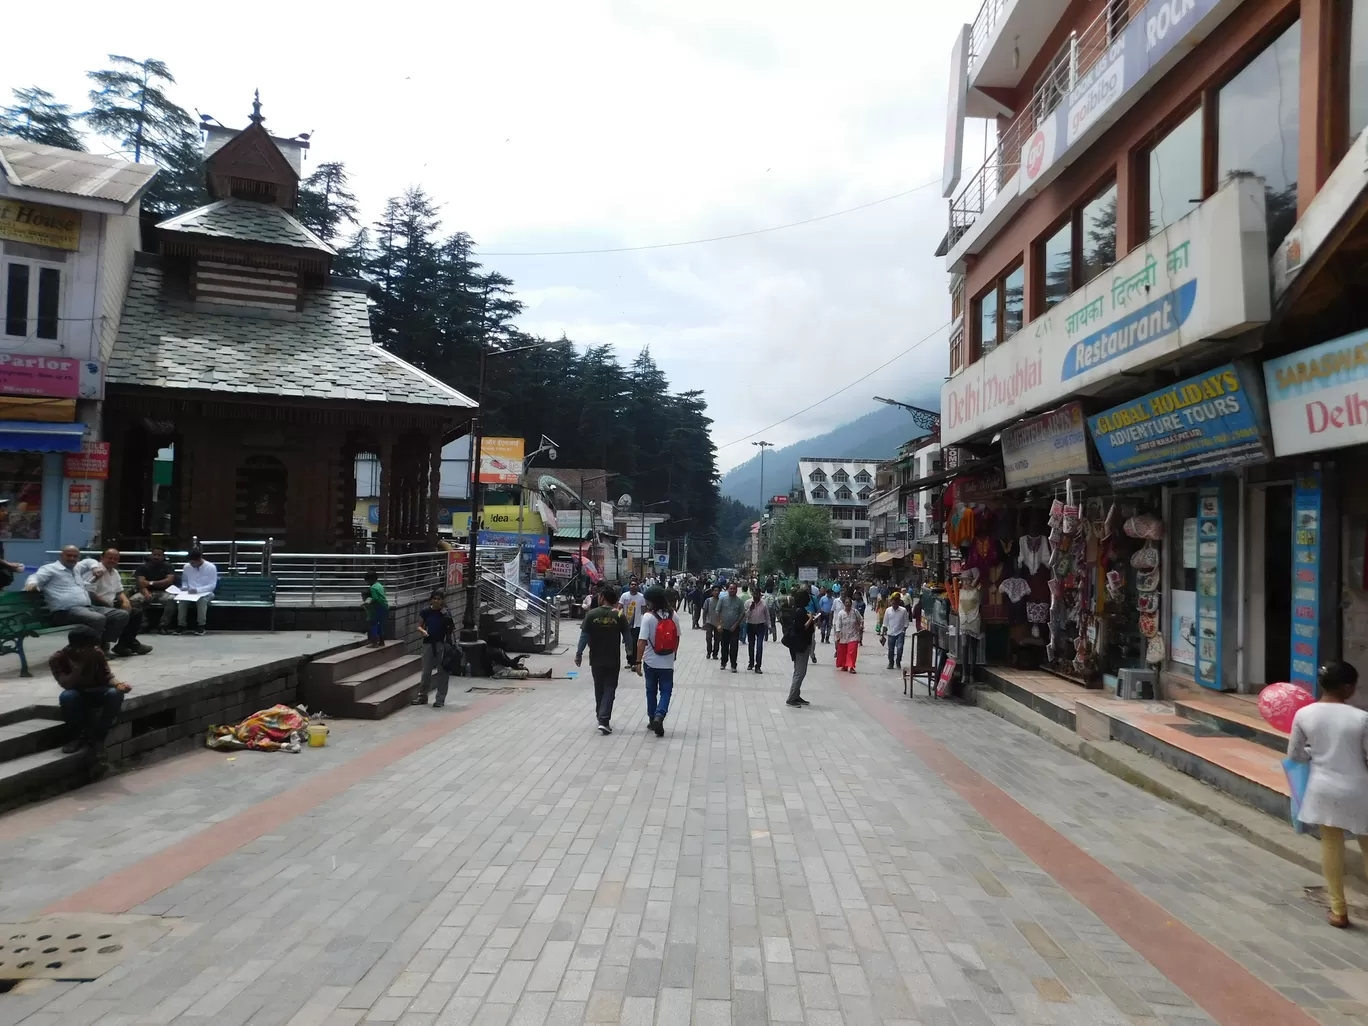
666	636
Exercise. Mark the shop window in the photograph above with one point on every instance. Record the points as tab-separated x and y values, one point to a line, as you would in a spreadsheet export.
1013	302
1257	124
32	298
1056	261
988	321
1097	248
1357	101
21	488
1175	173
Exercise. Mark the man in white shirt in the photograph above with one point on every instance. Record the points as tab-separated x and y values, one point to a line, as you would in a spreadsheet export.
896	620
199	578
67	600
633	606
105	586
657	667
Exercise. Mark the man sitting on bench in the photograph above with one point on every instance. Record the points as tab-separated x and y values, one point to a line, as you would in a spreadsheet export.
68	601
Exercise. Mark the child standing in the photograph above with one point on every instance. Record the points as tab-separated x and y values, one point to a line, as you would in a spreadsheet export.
1332	736
376	605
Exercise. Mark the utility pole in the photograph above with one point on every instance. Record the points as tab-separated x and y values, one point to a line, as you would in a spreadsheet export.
760	547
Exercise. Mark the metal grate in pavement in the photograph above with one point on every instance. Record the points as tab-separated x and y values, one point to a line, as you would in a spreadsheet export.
74	946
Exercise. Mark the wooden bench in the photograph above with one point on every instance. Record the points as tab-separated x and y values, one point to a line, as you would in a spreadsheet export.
23	615
247	591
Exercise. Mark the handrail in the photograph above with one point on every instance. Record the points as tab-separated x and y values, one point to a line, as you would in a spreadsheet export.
1070	63
984	22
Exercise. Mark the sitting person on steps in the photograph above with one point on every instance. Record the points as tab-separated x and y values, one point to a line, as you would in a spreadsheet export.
91	697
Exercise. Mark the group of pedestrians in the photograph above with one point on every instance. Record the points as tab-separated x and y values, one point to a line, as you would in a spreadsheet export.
645	627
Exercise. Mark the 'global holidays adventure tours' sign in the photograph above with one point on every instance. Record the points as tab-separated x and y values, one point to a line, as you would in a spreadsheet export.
1187	284
1205	423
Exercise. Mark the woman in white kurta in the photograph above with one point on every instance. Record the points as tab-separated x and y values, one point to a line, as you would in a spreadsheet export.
1333	737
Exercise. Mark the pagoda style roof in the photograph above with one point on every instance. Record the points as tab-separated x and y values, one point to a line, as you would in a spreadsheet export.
324	352
247	221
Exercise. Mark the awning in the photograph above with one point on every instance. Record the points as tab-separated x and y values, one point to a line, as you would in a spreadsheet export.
30	436
884	558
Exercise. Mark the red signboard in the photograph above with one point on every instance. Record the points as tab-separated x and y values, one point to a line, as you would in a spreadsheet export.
779	500
91	462
78	498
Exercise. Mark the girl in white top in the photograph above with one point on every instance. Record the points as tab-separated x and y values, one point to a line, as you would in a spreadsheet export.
1333	737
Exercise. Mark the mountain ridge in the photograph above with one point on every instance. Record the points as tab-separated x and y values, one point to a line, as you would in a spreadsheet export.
874	435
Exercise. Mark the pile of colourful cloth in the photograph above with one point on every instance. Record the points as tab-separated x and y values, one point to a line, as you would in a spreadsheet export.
277	729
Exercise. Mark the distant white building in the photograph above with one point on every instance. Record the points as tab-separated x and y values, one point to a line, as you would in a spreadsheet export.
844	486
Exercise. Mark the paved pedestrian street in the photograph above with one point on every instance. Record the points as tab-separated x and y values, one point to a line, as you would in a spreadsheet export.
866	860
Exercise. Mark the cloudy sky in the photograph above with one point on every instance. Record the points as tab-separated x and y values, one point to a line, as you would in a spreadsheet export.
586	124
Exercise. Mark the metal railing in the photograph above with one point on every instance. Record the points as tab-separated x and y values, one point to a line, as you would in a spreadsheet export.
984	23
539	617
1074	59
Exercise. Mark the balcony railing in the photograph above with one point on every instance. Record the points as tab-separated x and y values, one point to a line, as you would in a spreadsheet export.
1070	63
984	23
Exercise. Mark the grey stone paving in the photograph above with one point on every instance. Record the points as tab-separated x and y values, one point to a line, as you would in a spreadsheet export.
756	865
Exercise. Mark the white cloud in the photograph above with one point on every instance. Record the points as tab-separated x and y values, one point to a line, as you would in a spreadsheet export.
545	125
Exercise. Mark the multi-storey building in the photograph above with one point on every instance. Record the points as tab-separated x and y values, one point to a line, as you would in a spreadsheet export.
844	486
1168	213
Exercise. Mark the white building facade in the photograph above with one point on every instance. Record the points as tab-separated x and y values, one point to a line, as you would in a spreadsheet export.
845	487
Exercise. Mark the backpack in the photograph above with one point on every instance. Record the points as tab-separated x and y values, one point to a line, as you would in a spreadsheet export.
666	637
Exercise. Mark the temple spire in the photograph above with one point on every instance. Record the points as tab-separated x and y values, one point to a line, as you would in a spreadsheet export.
256	117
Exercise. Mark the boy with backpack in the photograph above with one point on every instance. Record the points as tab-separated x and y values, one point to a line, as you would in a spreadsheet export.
655	656
607	634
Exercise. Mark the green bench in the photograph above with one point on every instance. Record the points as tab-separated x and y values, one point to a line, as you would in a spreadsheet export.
246	591
23	615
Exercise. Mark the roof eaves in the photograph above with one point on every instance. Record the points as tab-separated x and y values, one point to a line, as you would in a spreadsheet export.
461	398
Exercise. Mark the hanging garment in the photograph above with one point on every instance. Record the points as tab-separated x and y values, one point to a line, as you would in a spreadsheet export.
1033	552
983	555
1015	588
994	605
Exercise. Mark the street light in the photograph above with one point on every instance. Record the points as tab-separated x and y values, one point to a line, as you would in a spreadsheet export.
762	446
549	447
644	508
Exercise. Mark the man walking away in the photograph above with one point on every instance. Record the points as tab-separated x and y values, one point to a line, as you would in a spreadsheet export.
731	612
800	628
91	697
757	629
606	634
199	578
696	603
710	636
895	623
772	604
435	625
824	608
655	656
633	606
849	630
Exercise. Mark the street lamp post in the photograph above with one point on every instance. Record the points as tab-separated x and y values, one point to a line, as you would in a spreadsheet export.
762	445
549	447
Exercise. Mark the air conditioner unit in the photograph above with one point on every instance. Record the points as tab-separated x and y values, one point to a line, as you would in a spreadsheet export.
1136	684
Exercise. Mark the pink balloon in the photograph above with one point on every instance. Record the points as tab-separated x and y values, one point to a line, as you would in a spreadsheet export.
1278	703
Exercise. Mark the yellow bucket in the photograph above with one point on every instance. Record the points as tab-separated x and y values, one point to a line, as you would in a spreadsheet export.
318	735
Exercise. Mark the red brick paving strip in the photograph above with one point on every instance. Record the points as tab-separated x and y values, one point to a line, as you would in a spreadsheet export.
141	881
1223	988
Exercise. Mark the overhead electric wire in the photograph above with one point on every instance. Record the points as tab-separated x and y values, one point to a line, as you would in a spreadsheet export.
838	391
715	238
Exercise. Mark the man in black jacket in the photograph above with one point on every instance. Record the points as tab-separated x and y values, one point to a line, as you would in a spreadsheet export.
800	624
607	634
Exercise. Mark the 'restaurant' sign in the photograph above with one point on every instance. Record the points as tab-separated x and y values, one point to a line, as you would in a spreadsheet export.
1047	448
39	224
1318	397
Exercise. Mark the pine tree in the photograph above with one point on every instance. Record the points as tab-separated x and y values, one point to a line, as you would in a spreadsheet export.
130	105
36	117
355	256
325	201
179	185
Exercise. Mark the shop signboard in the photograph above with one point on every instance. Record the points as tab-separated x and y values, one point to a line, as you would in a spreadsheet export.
57	377
501	460
1183	628
919	558
1306	565
975	486
1046	448
40	225
807	574
562	568
1318	397
536	543
1208	669
1189	283
1203	424
91	462
78	498
779	500
456	561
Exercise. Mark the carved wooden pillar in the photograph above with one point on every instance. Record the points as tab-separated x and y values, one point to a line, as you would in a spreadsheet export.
434	491
382	529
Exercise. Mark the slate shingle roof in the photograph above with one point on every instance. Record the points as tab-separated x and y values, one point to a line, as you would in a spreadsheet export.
247	221
78	174
327	353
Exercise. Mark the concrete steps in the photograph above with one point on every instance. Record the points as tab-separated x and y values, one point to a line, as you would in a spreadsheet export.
361	683
391	698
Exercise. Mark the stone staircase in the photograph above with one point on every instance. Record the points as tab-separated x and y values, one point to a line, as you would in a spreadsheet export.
31	757
361	683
